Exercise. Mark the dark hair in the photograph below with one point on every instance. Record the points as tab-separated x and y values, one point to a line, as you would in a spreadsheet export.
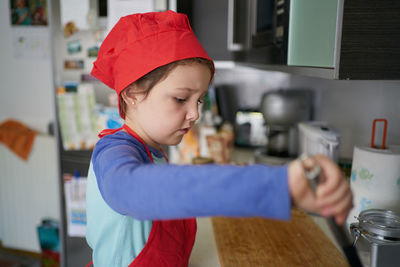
148	81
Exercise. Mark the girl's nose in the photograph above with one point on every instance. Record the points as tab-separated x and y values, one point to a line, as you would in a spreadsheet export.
193	113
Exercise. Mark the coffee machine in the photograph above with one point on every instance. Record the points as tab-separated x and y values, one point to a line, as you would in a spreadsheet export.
282	111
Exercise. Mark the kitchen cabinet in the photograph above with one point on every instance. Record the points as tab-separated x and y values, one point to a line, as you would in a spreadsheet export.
209	21
340	39
312	33
370	42
335	39
355	39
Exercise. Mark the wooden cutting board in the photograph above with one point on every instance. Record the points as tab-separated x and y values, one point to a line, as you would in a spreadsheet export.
266	242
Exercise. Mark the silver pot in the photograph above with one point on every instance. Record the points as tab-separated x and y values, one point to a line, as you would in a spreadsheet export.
283	109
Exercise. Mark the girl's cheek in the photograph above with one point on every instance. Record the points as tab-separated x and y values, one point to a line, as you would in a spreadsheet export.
177	107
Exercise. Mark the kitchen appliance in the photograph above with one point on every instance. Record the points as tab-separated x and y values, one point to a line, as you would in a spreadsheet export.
268	22
377	233
282	110
250	129
226	97
316	137
264	38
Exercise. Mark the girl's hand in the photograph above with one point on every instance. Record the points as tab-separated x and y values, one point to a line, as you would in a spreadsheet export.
333	197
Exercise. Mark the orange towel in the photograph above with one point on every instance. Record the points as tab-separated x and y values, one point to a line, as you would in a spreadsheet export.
17	137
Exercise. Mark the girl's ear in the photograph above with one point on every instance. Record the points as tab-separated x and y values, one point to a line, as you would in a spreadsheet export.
128	97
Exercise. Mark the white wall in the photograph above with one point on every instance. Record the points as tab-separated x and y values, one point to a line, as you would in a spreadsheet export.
250	84
351	107
26	84
28	193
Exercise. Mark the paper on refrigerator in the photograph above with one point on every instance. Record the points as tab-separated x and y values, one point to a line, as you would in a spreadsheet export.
75	204
77	118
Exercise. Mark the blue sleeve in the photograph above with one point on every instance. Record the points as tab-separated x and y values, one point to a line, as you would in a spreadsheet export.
167	191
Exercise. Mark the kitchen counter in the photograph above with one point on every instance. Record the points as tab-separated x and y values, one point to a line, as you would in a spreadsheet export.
204	253
262	242
230	242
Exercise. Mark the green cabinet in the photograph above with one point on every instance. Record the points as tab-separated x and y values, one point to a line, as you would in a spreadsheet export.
312	33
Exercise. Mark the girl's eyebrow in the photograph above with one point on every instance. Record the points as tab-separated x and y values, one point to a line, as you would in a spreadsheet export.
185	88
190	90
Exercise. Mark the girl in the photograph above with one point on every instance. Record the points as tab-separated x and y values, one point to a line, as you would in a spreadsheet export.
140	210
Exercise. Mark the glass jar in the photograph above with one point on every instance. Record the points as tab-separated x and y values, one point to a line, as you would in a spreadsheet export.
378	231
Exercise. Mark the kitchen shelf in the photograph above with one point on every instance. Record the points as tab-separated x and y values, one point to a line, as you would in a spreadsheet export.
327	73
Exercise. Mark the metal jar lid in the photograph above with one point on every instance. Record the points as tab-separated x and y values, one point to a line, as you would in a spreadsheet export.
381	224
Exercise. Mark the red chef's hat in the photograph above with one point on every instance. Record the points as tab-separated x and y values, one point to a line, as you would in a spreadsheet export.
140	43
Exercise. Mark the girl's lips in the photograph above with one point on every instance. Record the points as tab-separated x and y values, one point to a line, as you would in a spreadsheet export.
184	130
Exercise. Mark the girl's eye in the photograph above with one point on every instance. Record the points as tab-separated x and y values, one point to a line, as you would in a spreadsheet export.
200	101
180	100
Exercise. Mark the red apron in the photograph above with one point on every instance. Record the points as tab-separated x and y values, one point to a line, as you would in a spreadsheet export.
170	241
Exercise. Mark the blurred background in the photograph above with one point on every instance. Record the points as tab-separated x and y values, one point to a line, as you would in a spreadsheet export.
51	110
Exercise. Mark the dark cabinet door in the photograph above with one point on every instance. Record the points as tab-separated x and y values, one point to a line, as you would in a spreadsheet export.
210	24
209	20
370	44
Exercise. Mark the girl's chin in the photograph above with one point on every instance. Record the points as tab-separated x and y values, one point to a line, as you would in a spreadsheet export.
175	141
172	140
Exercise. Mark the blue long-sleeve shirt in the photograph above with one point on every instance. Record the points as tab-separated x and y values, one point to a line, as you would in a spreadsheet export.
131	185
125	191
